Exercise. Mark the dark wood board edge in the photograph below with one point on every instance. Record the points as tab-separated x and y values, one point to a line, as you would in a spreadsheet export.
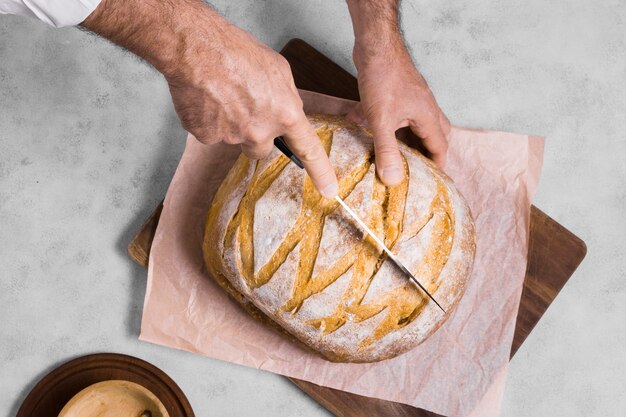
554	253
345	404
538	293
139	246
319	70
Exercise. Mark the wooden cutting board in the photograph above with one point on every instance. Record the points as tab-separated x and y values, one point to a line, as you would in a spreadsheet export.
554	252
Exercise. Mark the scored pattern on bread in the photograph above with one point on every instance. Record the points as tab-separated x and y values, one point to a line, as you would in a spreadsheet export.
301	265
400	305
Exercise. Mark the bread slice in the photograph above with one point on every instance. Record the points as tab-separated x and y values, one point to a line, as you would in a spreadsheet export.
299	263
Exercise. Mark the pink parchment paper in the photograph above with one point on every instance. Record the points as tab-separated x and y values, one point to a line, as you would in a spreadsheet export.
459	371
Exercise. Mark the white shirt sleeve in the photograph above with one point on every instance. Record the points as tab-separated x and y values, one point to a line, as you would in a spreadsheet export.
57	13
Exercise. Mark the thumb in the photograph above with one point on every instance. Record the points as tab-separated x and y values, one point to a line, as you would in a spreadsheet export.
388	160
434	139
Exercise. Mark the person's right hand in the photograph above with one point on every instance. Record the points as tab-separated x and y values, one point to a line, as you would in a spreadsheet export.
225	85
242	92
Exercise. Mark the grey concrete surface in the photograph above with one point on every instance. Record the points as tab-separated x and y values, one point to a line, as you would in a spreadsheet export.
89	141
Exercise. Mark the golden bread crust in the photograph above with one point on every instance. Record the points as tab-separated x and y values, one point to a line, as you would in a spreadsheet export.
298	263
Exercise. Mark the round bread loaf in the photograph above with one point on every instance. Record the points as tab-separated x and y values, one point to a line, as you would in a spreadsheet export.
300	263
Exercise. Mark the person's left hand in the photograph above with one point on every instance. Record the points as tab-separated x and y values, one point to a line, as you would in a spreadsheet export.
394	95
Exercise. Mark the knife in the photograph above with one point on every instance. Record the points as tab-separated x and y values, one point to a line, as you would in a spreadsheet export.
279	142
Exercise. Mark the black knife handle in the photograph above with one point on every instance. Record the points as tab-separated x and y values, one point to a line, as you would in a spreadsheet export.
279	142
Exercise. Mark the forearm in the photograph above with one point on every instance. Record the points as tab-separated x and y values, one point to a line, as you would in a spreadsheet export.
156	30
393	93
225	85
376	28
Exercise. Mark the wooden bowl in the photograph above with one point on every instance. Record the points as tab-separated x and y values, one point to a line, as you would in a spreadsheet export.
57	388
114	398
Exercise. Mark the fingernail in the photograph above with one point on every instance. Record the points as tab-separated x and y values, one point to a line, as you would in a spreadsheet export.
330	191
392	175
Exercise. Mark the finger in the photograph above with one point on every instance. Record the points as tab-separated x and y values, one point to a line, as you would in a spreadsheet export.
306	145
355	115
434	140
257	150
388	160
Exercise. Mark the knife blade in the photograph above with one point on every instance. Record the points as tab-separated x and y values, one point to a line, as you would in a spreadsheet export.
279	142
